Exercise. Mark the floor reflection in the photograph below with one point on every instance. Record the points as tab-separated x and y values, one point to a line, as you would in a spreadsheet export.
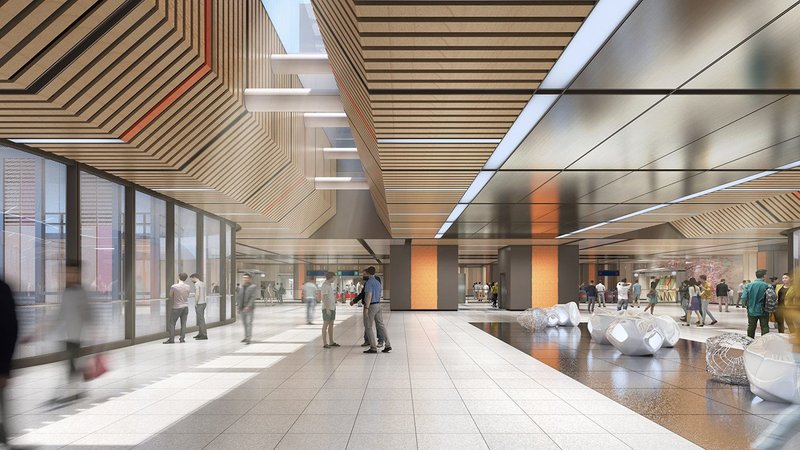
671	388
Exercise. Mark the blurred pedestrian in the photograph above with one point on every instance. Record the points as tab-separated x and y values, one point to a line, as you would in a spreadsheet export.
310	298
9	332
328	295
622	294
495	293
601	294
706	292
179	295
722	295
365	312
636	292
246	302
200	306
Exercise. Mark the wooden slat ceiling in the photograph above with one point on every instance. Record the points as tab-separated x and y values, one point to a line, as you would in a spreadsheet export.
166	77
452	69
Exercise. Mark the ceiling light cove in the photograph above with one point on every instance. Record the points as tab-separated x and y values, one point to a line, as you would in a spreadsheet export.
438	141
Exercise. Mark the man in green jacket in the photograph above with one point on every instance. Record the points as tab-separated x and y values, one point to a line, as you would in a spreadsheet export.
753	297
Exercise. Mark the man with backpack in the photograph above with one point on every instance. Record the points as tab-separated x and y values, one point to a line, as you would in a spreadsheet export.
759	297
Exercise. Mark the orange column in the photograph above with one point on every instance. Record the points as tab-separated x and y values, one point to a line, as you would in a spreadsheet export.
544	276
424	277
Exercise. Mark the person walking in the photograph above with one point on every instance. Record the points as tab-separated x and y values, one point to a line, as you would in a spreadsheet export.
739	294
601	294
486	291
179	295
281	292
328	295
753	297
622	294
200	307
722	295
695	304
636	292
780	313
372	297
9	333
591	295
495	294
652	300
246	302
365	312
705	297
683	294
310	298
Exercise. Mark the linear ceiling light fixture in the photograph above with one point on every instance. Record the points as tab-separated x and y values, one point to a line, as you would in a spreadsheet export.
68	141
725	186
594	32
437	141
425	189
184	189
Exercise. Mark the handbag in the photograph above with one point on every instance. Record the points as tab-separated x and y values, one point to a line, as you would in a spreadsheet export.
96	367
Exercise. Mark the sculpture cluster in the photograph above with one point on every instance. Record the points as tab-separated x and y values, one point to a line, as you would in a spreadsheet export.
537	319
771	369
633	333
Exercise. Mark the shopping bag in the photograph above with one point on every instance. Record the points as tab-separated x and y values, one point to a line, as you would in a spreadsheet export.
96	366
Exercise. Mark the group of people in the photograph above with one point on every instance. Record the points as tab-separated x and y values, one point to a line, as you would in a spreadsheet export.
485	291
179	298
375	335
626	292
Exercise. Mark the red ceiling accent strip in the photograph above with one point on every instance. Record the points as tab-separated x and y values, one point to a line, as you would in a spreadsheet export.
181	89
354	104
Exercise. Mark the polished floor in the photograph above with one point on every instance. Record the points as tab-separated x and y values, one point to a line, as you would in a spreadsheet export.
446	384
670	388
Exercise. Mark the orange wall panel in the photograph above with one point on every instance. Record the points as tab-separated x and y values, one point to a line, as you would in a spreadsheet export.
544	276
424	277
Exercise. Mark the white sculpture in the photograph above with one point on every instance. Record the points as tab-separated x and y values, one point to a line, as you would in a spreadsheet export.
773	373
599	321
635	336
725	358
670	329
568	314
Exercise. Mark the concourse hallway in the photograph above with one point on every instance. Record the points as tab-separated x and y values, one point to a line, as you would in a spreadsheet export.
446	384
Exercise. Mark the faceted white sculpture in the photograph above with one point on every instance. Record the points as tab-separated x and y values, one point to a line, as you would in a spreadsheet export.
725	358
568	314
773	373
552	317
635	336
599	321
670	329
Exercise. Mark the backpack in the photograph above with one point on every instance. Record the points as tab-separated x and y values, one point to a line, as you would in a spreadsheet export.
770	300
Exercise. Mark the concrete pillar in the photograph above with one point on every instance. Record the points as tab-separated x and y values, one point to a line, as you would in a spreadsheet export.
424	277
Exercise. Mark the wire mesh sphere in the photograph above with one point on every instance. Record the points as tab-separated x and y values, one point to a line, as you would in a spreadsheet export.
635	336
725	358
525	318
771	369
534	319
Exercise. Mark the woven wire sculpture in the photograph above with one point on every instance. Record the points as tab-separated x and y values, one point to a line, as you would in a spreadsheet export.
536	319
725	358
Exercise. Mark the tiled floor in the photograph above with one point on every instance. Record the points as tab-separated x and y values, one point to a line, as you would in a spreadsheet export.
447	384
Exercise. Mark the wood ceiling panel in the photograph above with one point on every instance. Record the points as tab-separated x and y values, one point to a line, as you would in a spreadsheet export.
456	69
167	78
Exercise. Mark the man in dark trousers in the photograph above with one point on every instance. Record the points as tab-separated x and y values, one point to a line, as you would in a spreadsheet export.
9	331
360	299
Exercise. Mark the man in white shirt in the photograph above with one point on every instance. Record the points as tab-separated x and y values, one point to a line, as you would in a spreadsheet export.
601	294
200	306
486	290
328	295
622	294
179	294
310	297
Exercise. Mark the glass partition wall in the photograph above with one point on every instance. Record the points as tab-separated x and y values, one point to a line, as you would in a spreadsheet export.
132	244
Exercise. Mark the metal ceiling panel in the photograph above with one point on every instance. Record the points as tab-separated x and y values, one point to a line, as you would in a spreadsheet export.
668	126
511	187
569	187
634	185
575	125
665	43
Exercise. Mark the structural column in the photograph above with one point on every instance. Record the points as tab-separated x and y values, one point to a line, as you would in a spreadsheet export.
538	276
424	277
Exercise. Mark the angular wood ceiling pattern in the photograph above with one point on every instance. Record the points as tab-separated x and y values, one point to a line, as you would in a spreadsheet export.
167	77
448	69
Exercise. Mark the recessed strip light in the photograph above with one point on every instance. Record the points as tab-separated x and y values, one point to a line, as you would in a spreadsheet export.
456	212
425	189
530	116
67	141
184	189
764	189
419	214
597	225
475	188
438	141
